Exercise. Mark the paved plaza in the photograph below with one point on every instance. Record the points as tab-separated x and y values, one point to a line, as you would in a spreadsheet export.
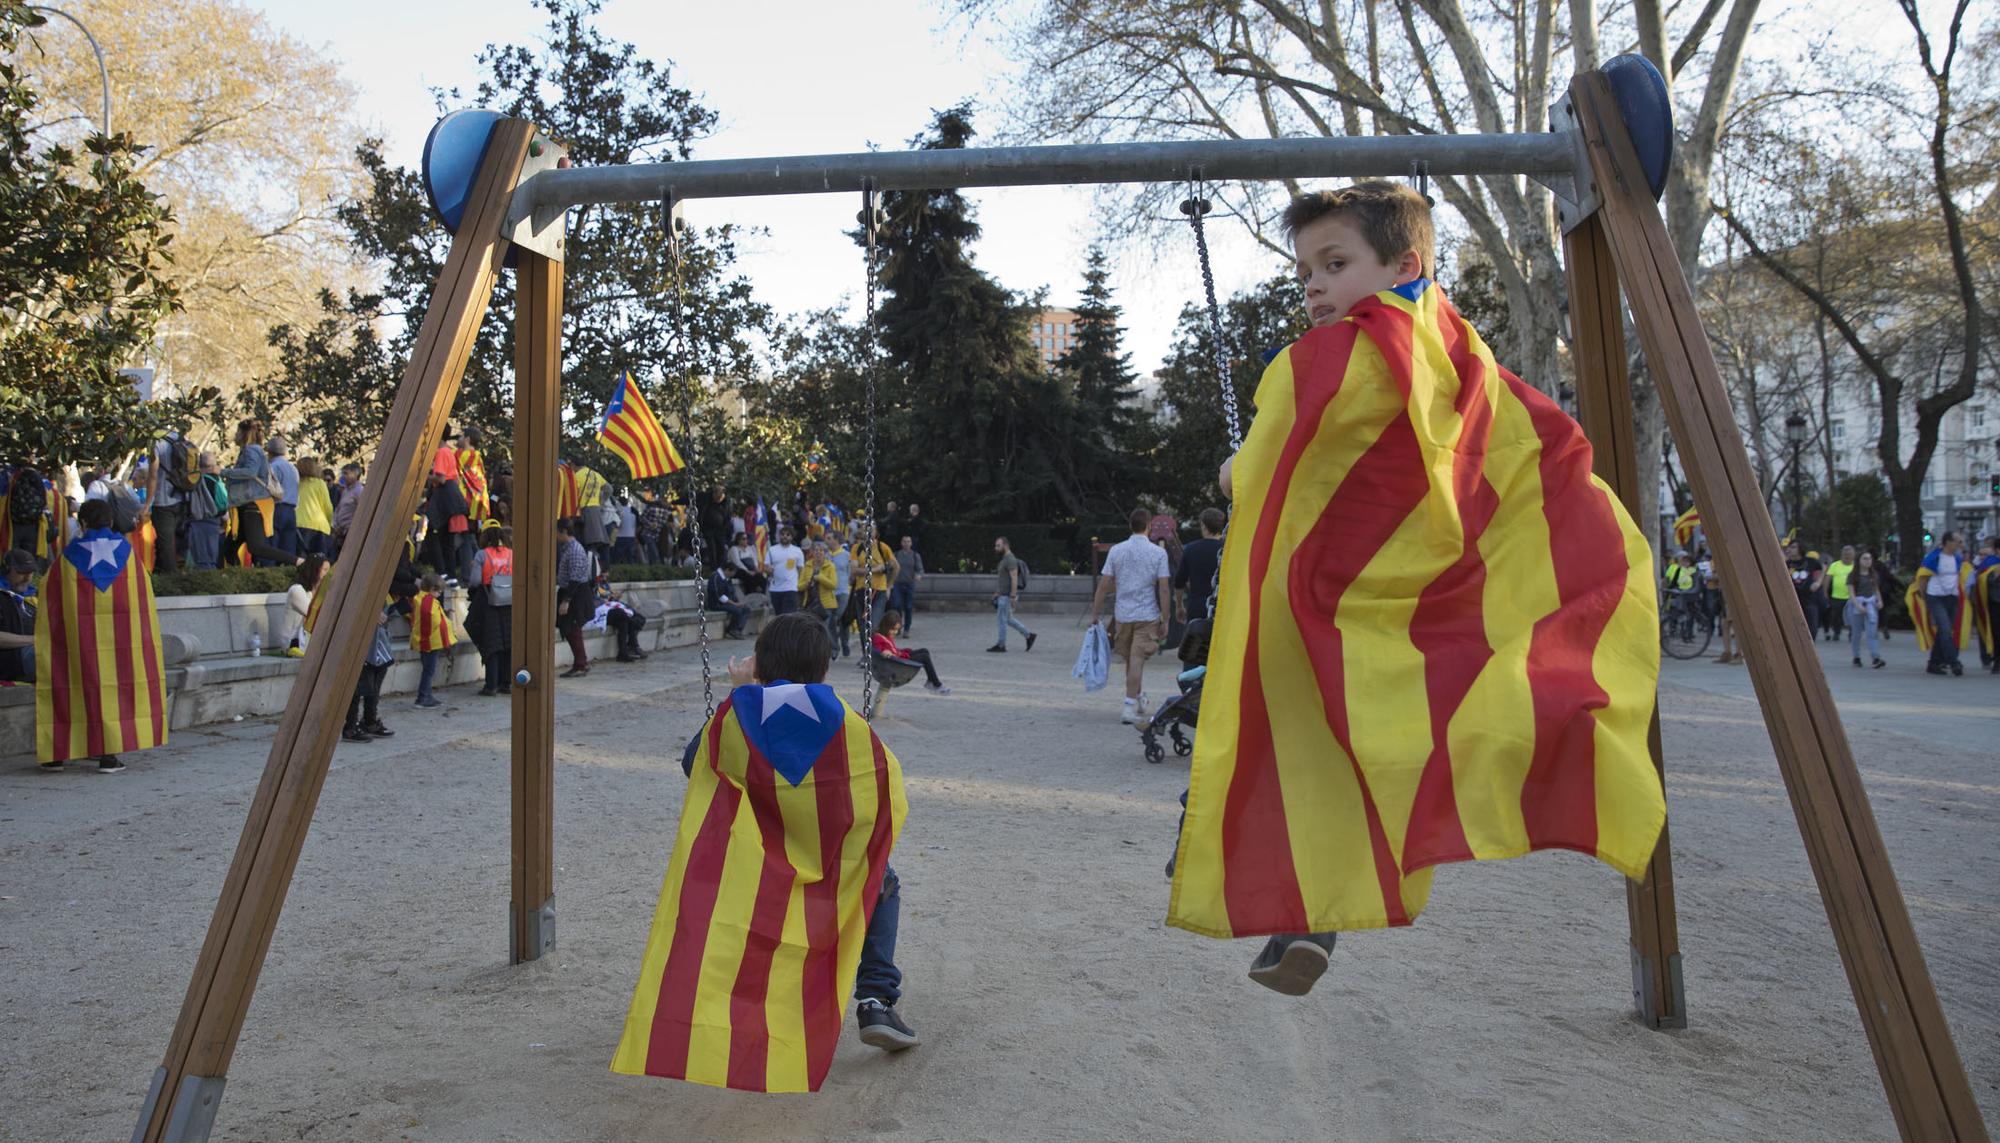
1053	1003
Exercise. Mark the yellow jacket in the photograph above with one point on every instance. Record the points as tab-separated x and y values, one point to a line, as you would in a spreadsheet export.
315	506
875	565
826	580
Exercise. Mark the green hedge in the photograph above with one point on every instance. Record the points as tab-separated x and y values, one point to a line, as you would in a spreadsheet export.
1049	549
646	573
224	581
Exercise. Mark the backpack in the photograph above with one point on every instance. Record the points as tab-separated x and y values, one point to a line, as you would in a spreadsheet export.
499	584
183	467
1021	569
209	498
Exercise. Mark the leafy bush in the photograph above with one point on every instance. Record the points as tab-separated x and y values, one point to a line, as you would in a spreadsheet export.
224	581
646	573
1049	549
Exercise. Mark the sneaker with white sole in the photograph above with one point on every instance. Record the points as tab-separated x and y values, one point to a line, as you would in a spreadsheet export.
938	689
1131	714
1291	964
882	1028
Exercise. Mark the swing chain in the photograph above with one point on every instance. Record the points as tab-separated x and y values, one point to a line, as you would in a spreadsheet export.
1420	179
1195	207
871	220
675	225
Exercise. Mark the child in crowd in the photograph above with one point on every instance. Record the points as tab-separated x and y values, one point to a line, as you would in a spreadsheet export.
364	715
431	636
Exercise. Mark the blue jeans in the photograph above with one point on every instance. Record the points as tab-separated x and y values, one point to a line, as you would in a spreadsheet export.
205	543
430	672
1863	614
625	550
285	528
784	602
1003	606
1944	614
649	550
879	978
903	597
311	542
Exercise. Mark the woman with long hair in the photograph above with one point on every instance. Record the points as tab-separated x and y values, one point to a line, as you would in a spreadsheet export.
492	620
253	495
298	601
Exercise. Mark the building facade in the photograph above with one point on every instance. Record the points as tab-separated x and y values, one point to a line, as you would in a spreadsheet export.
1053	332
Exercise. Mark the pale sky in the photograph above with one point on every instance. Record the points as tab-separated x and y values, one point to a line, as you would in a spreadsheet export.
786	78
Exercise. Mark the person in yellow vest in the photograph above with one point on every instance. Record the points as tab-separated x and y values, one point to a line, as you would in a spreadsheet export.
1836	584
871	561
431	636
819	586
315	513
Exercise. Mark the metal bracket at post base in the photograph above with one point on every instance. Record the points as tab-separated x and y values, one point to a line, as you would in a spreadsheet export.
194	1108
1648	1005
541	933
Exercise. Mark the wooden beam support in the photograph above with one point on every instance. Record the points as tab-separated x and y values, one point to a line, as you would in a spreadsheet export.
1604	406
185	1090
1914	1053
538	303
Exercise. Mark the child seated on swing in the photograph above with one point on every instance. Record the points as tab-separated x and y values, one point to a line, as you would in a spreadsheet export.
886	631
1419	572
783	752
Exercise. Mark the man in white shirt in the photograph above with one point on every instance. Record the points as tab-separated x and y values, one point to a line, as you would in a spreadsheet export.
1136	573
784	560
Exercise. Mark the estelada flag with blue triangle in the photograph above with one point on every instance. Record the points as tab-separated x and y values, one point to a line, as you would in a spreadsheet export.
632	431
100	681
792	807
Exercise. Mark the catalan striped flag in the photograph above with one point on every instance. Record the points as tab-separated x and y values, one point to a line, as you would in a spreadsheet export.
791	811
1964	622
632	431
569	500
1979	593
763	532
431	630
1436	639
100	683
1685	525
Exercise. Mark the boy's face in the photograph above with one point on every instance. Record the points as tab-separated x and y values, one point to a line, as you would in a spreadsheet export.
1339	268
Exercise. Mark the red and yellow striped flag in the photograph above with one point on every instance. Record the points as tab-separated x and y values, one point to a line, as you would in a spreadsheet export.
569	500
1436	639
1964	621
791	811
432	629
1684	526
100	683
631	431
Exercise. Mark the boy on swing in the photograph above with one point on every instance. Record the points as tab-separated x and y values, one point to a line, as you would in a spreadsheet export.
1435	638
779	900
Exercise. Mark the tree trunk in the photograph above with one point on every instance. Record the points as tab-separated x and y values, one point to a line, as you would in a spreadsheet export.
1906	490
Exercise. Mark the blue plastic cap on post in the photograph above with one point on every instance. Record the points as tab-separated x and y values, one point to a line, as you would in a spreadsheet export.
452	153
1641	92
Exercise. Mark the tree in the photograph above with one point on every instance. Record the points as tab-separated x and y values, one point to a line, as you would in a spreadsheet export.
247	141
1885	260
610	106
83	285
1194	440
1118	69
1111	429
1859	512
974	420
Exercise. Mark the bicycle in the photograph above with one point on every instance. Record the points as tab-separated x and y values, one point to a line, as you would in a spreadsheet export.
1685	626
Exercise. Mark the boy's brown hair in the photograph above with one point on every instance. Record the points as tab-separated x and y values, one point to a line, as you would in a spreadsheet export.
1391	216
794	648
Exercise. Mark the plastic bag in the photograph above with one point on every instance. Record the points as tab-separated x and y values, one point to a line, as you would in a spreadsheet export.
1093	662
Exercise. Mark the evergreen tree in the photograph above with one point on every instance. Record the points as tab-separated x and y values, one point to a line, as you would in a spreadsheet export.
611	106
973	422
1194	441
1112	433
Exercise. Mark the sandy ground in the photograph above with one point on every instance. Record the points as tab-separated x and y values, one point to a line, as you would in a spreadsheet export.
1053	1002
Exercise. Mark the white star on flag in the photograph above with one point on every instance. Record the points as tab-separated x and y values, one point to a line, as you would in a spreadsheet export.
103	551
788	695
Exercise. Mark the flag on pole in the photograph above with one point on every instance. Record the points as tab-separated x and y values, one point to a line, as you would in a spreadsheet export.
1436	638
631	431
1685	525
791	811
100	683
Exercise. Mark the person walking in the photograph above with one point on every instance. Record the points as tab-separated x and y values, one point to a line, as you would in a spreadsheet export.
576	589
1864	606
1136	577
1808	578
1200	562
783	563
253	490
909	573
1837	593
1943	598
871	562
843	587
1007	593
818	586
285	514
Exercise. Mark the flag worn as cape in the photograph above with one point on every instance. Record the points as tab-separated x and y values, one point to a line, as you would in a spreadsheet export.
431	628
1684	526
472	483
1436	640
632	431
1986	574
1963	623
791	811
569	504
100	683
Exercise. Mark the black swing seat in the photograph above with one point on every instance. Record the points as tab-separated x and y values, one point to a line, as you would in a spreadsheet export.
893	673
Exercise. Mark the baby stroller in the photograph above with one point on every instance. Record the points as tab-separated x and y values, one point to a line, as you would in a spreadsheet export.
1176	717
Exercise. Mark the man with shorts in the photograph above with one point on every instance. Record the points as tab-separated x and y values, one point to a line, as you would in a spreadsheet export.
1136	574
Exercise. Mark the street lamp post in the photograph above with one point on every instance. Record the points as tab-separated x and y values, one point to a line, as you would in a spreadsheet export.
103	73
1795	435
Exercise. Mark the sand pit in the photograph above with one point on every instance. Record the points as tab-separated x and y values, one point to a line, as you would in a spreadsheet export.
1053	1003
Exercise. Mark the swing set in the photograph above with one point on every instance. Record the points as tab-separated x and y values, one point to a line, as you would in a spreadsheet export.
504	188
